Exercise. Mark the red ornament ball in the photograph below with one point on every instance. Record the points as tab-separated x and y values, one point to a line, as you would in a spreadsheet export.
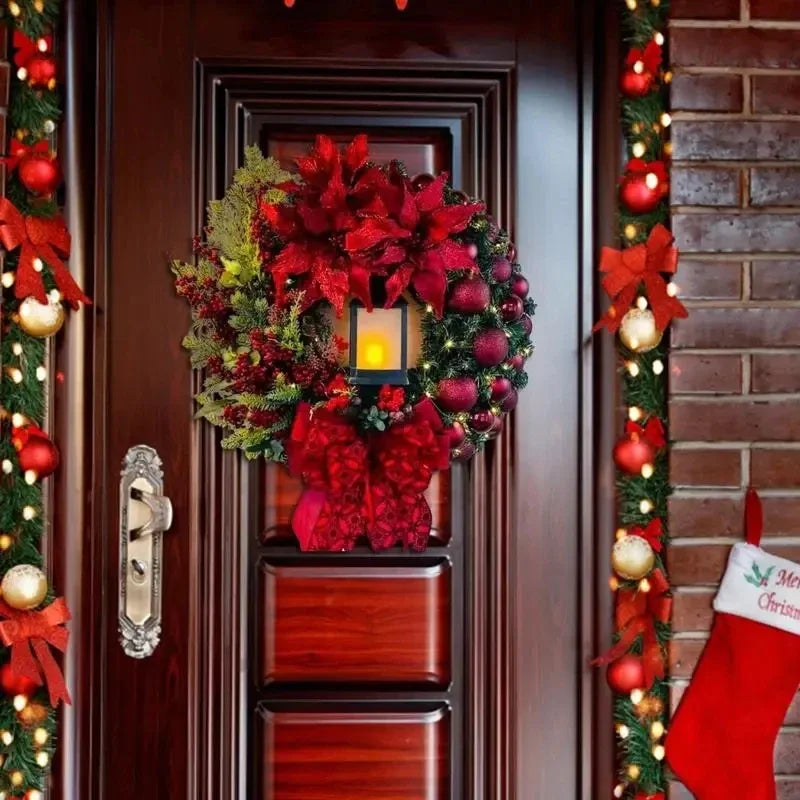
516	361
490	347
520	286
509	402
511	308
42	71
469	296
637	196
457	394
456	434
636	84
500	389
497	426
527	325
631	453
464	452
626	674
39	173
14	684
481	421
419	182
38	454
501	270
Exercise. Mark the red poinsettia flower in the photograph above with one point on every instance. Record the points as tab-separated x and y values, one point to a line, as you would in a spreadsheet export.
423	257
325	209
391	399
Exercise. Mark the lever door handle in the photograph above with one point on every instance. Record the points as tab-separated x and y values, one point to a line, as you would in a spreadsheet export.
144	514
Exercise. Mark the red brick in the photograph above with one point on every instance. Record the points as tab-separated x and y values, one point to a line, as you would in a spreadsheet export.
738	328
740	233
723	420
774	9
788	788
697	564
705	186
735	47
775	186
714	280
704	9
706	92
787	752
793	714
781	516
706	373
700	140
776	94
683	656
774	469
691	611
776	372
699	468
775	280
705	516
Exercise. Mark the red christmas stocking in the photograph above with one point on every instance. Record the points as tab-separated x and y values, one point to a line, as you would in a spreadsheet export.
721	740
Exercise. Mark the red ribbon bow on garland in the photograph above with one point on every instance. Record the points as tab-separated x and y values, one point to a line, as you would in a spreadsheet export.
652	534
651	432
644	264
650	57
30	634
357	484
17	150
27	48
42	239
636	615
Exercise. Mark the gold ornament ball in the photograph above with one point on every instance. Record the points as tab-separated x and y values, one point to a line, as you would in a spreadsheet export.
40	319
638	330
24	587
632	557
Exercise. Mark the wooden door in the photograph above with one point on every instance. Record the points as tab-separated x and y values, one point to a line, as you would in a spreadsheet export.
437	676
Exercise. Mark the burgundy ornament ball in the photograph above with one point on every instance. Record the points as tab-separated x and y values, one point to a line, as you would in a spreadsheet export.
457	394
511	308
509	402
636	84
512	252
469	296
13	683
527	325
516	361
481	421
456	434
637	196
631	453
626	674
419	182
520	286
501	270
500	389
39	173
41	71
464	452
497	426
490	347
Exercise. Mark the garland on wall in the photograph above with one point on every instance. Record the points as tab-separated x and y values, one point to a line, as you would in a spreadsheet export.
35	281
360	325
637	279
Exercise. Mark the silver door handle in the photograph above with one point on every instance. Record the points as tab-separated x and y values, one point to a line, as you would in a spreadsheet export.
144	514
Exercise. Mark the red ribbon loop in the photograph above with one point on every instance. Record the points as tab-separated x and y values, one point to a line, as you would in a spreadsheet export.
357	484
17	150
39	238
30	634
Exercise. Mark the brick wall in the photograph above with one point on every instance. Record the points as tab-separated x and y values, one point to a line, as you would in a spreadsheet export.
735	386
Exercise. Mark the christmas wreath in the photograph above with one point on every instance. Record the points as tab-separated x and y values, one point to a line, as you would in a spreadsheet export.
360	325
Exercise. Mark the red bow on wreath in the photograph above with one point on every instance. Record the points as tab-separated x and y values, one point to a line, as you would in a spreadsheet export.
357	484
26	49
644	264
652	432
650	56
17	150
30	634
41	240
652	534
637	613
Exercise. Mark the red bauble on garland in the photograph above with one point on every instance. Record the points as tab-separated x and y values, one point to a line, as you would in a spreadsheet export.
13	683
481	421
641	67
509	402
464	452
41	71
490	347
644	185
456	434
36	453
469	296
636	84
520	286
500	388
516	361
626	674
631	453
457	394
39	173
512	308
501	270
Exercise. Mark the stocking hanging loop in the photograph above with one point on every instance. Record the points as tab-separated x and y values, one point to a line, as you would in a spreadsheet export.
753	517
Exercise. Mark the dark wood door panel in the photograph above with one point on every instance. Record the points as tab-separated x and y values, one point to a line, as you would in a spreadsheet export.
319	755
368	624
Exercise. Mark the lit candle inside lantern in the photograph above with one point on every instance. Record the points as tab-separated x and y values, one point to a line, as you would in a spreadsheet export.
378	344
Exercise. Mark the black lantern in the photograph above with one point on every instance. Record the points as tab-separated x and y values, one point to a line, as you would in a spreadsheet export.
379	344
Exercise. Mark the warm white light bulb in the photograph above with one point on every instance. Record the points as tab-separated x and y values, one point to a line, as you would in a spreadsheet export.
624	731
17	420
28	513
641	302
38	264
7	280
644	585
30	476
15	375
657	729
639	149
8	467
647	471
651	179
658	366
635	413
638	67
41	373
637	695
22	73
658	38
20	701
633	368
659	752
646	506
666	120
672	289
16	349
7	738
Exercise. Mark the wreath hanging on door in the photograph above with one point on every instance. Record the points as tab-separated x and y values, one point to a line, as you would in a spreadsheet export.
360	325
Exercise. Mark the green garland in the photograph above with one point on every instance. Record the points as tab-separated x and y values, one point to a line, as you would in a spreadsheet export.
27	723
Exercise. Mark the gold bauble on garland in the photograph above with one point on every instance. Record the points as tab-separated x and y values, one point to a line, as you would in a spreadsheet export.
632	557
638	330
41	319
24	587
